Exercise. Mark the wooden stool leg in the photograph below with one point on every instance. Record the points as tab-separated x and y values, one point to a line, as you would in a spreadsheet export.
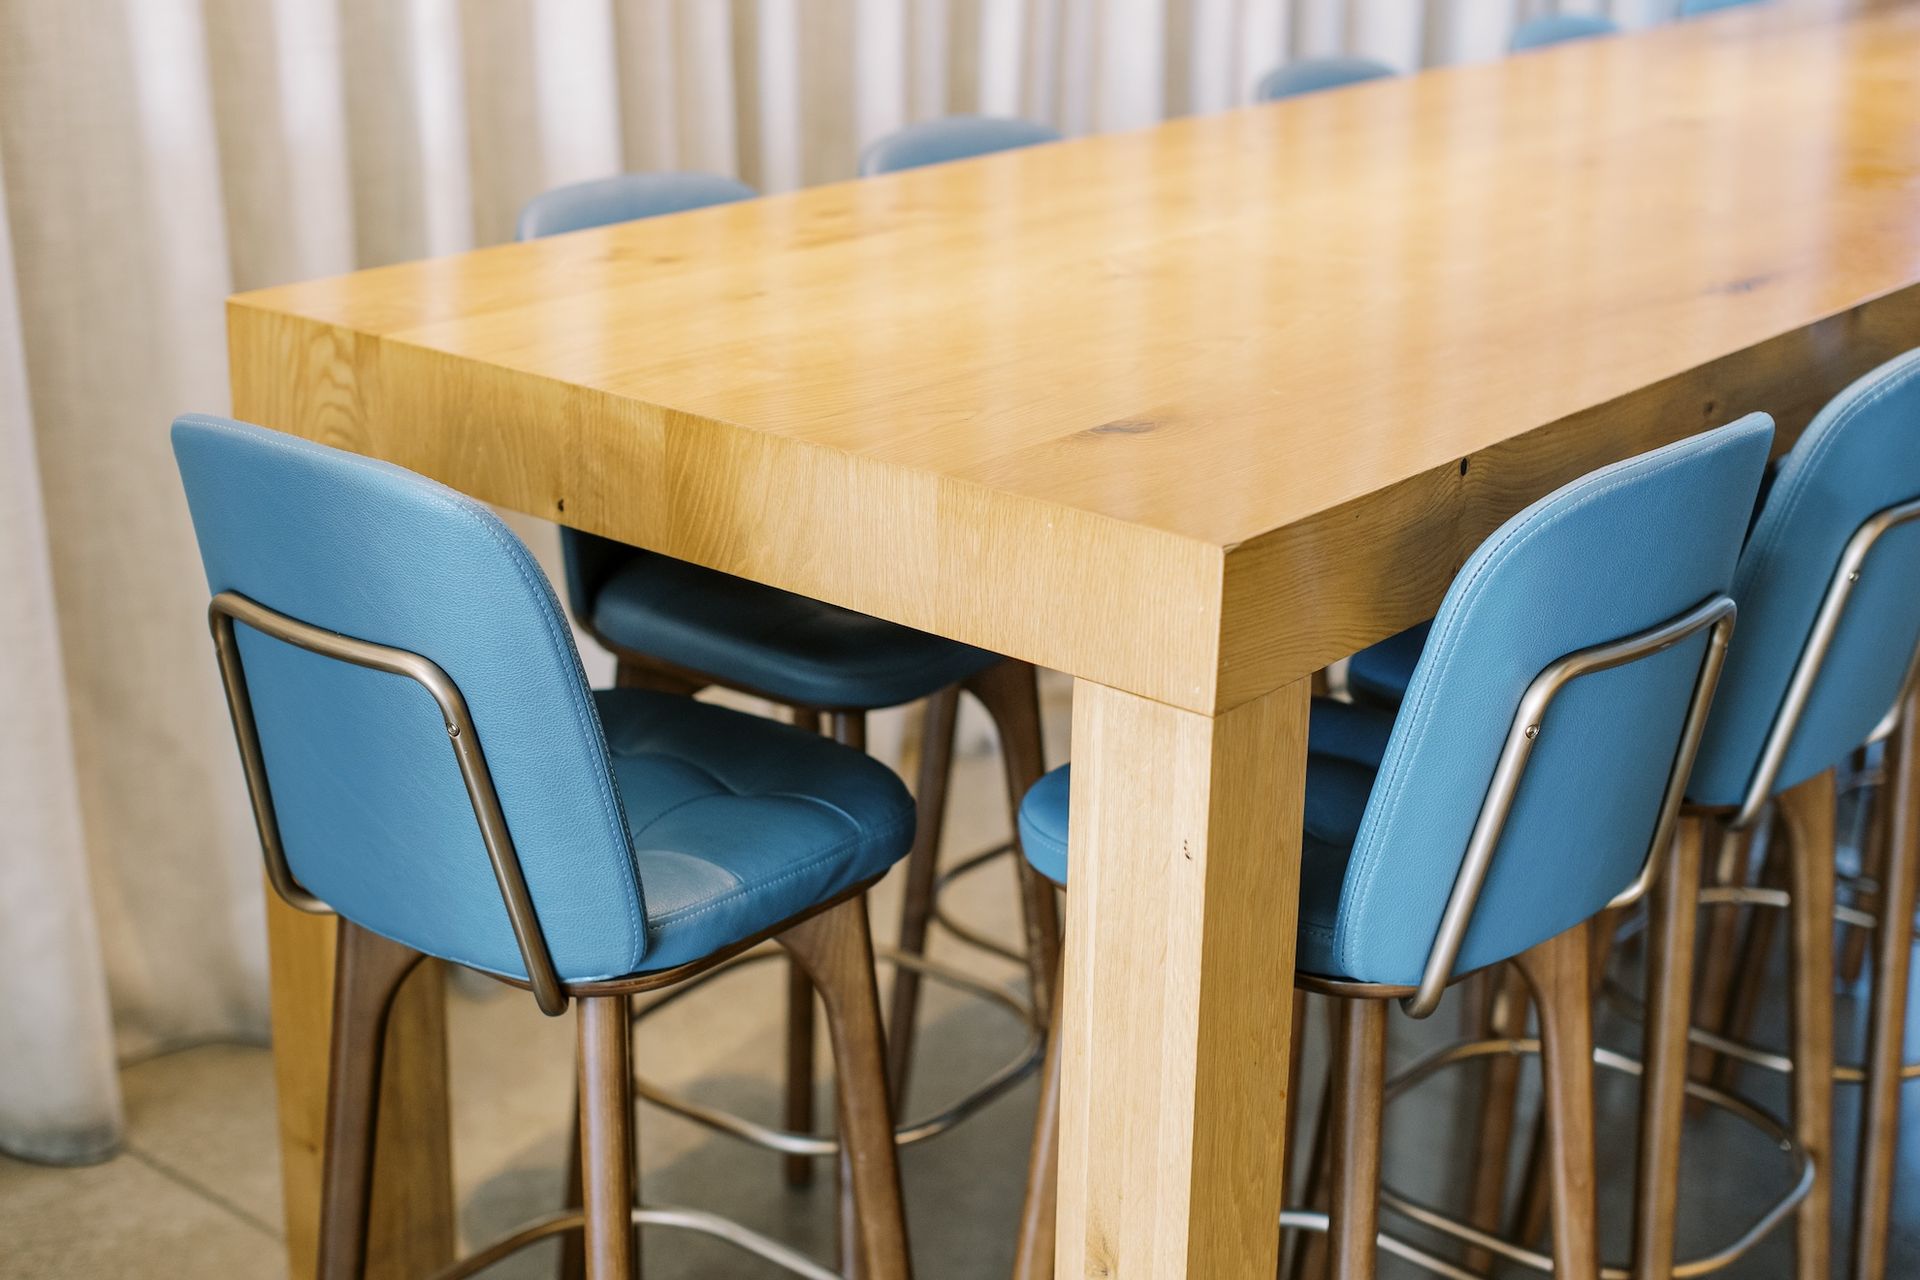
1558	971
1359	1082
606	1136
1506	1020
1717	959
799	1101
1536	1187
797	1108
1751	984
1806	817
849	729
367	973
835	949
1312	1256
1874	837
1033	1253
1887	1024
923	868
1010	692
1672	924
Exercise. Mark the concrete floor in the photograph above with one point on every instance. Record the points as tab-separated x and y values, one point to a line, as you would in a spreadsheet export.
196	1191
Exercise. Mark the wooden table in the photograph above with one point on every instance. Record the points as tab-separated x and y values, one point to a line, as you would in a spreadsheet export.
1187	413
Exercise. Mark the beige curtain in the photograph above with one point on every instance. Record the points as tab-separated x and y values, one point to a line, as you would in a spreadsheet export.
156	155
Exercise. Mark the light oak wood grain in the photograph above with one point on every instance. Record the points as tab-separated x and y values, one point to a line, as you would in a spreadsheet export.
1104	404
1175	1023
1184	412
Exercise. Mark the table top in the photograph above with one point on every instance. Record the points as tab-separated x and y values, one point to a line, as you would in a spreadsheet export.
1188	410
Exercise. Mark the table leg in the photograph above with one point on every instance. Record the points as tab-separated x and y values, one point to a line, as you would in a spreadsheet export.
412	1229
1182	898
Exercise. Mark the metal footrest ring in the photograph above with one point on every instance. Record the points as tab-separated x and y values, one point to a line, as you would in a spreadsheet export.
1722	895
960	929
1857	917
740	1237
787	1142
1446	1224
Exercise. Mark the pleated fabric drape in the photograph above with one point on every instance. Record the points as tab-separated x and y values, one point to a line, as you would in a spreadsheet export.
156	155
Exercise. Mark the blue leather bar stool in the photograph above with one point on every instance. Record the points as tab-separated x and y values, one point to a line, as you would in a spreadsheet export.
951	138
680	627
1694	8
1558	705
1829	644
1559	28
623	197
1311	75
426	761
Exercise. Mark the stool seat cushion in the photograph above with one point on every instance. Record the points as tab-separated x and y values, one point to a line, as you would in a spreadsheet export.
1345	745
1381	672
790	648
739	822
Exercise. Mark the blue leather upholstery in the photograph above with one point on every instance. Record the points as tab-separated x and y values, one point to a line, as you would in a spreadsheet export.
1311	75
1614	553
951	138
625	197
700	826
790	648
1558	28
1694	8
739	822
1857	457
1381	672
1043	823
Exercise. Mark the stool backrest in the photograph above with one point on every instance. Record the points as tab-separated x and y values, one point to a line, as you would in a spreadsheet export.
371	807
1559	28
1623	551
1311	75
1785	710
951	138
624	197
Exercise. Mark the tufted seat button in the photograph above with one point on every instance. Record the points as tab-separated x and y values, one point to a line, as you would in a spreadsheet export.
738	823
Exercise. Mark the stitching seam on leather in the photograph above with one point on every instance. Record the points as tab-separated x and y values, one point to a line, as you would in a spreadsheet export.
1420	721
454	502
1765	546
